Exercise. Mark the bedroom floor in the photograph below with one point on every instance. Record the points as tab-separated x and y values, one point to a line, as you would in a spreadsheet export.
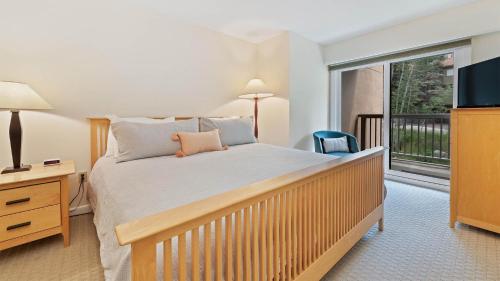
416	245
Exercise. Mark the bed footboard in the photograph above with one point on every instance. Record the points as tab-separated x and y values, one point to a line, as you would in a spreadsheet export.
293	227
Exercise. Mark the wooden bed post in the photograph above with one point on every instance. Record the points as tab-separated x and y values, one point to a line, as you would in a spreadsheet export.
143	254
384	194
98	138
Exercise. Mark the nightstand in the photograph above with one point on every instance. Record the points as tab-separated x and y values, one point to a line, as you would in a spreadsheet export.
35	204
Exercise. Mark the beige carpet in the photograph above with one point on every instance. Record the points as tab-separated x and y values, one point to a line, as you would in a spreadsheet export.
416	245
47	259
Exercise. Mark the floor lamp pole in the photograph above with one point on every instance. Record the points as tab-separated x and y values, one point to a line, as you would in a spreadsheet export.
256	116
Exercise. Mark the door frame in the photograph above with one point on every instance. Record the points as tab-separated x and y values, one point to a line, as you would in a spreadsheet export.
462	57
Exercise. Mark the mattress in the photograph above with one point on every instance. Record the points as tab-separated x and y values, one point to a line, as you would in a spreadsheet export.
121	192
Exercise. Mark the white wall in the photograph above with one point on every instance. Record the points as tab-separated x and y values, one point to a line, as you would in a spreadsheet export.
464	21
485	47
116	59
293	68
272	67
308	92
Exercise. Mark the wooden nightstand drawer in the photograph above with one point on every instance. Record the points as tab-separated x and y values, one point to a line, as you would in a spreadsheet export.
28	222
30	197
34	204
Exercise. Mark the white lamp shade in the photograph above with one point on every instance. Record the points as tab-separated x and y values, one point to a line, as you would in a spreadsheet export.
15	96
256	88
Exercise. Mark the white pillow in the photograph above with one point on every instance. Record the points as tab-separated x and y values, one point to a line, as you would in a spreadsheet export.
232	131
144	140
335	145
112	146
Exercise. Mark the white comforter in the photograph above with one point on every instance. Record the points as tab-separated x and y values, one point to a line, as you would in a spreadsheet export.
125	191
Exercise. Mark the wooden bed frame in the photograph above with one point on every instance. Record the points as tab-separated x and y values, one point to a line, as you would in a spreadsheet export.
292	227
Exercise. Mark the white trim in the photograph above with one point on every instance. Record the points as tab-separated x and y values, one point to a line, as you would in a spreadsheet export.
80	210
387	109
424	55
399	51
369	65
329	102
418	180
461	57
336	116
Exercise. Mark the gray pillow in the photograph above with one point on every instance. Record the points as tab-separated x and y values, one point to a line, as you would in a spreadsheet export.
136	140
335	145
233	131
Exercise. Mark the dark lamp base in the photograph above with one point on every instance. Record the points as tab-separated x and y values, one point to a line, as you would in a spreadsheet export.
23	168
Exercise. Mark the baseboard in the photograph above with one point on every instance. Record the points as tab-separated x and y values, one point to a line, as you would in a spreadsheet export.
80	210
421	183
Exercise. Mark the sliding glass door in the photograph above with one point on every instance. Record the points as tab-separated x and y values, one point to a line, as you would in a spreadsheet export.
421	97
403	104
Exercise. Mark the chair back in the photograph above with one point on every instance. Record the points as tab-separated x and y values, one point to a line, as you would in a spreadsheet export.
351	140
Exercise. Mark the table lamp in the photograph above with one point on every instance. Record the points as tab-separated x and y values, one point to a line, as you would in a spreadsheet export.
14	97
256	89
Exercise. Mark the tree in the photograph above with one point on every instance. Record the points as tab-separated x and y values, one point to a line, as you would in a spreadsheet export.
420	86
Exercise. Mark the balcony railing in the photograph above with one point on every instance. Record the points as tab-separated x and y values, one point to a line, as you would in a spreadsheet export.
421	137
414	137
369	130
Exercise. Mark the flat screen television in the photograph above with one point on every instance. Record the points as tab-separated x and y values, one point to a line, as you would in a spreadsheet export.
479	84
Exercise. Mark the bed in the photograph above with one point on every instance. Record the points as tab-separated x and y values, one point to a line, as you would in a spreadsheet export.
259	212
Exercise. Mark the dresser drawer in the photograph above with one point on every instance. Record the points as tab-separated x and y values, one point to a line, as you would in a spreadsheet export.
28	222
30	197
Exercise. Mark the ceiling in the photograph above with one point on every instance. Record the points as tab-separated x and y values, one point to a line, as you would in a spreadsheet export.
322	21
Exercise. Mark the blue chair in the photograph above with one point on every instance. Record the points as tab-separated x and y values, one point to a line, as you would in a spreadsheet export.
351	141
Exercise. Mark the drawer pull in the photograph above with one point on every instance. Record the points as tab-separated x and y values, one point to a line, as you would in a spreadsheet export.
23	224
17	201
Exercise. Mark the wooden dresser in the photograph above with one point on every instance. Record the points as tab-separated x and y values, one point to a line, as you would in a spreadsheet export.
34	204
475	168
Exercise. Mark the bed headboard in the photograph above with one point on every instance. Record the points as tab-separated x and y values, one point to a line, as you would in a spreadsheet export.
99	127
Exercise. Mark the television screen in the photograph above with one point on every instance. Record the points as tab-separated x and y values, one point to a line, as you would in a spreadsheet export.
479	84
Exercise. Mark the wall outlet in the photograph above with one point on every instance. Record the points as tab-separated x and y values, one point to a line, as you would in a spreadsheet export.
82	176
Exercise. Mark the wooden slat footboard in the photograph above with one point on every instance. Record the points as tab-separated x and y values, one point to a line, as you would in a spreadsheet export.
293	227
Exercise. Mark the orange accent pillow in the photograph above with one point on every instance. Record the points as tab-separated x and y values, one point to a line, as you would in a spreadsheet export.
192	143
